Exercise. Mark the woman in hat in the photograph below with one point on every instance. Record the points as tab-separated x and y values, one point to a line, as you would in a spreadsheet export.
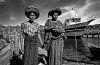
54	34
30	31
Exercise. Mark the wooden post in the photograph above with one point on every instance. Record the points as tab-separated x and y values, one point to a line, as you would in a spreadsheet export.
76	45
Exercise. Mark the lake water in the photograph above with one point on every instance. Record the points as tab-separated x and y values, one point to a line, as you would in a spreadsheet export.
78	49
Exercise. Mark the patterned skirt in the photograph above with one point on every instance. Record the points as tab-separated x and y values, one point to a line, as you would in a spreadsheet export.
31	50
55	52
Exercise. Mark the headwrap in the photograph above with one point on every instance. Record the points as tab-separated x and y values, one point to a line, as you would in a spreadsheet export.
32	9
56	10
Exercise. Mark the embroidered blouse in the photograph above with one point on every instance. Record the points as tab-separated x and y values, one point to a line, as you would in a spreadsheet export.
49	33
30	28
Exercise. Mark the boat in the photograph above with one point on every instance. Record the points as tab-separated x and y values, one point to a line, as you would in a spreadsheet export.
77	28
74	26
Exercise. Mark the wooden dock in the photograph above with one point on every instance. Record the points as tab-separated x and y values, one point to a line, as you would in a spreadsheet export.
5	55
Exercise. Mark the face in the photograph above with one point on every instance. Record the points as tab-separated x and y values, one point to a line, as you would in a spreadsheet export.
55	16
32	16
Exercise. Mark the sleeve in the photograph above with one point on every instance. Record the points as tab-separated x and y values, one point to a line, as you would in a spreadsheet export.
47	26
47	23
63	30
23	27
61	26
39	28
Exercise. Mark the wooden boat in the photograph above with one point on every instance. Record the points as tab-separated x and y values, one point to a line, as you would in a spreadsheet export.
76	29
78	26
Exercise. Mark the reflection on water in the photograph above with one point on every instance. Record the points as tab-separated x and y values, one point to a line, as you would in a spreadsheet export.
81	50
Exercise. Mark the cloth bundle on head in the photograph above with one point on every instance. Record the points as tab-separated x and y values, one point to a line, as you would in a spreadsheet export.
56	10
32	9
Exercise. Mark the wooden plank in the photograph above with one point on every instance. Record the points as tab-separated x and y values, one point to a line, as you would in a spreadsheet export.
42	51
5	56
4	50
6	61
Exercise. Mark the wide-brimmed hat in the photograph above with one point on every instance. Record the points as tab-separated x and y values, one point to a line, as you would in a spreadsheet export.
56	10
32	9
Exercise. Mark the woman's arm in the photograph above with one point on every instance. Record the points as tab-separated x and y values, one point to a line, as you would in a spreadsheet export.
22	30
61	26
48	28
47	31
39	36
48	25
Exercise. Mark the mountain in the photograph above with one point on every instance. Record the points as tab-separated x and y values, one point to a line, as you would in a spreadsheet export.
91	29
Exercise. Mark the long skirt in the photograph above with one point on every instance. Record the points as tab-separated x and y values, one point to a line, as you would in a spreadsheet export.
31	51
55	52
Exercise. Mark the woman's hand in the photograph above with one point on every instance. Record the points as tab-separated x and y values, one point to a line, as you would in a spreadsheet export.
44	46
54	38
31	34
49	28
64	36
46	41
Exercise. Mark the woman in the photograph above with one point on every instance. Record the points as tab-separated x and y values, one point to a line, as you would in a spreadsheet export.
31	36
54	37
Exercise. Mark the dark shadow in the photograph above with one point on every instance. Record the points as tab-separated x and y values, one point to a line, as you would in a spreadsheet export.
95	52
15	60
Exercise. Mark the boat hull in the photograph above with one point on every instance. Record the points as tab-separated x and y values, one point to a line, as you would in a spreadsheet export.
95	52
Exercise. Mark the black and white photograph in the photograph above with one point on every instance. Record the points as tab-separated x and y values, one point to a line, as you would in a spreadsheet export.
49	32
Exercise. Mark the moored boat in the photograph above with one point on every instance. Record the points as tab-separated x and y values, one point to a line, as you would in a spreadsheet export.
77	28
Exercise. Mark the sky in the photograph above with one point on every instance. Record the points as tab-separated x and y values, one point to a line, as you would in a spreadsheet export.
12	11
